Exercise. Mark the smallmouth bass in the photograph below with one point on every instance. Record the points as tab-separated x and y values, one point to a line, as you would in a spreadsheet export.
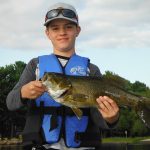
81	91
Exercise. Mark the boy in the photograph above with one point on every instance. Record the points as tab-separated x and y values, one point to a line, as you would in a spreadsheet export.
50	125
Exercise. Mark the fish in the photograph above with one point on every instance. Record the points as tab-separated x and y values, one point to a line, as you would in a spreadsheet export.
79	92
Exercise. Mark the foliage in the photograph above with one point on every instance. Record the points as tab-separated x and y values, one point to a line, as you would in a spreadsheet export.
141	88
125	121
129	120
138	128
9	76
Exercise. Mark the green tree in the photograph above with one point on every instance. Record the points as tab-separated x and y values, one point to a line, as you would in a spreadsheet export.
138	128
9	75
126	120
141	88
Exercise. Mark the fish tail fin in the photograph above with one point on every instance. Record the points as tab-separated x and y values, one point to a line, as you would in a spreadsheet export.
143	111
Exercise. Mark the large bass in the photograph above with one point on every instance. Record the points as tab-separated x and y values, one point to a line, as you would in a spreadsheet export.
80	92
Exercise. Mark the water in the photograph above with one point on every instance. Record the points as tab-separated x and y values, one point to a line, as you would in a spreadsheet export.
125	146
11	148
104	147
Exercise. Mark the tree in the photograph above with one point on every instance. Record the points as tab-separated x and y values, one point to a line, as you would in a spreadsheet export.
138	129
129	121
126	120
9	76
141	88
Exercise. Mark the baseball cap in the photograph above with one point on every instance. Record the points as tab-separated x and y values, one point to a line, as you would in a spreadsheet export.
61	6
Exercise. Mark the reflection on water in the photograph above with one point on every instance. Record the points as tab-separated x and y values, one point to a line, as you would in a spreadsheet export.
125	146
139	147
104	147
10	147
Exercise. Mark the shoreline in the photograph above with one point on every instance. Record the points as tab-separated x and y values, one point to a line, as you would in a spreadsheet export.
114	140
129	140
13	141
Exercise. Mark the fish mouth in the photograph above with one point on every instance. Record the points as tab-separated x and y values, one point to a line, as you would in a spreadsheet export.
64	93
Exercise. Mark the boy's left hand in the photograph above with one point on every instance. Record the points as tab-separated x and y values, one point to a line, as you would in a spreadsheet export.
108	108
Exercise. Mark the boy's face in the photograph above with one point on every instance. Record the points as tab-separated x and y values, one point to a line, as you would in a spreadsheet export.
62	34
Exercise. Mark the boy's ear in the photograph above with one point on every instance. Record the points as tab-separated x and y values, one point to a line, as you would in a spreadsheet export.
78	30
47	33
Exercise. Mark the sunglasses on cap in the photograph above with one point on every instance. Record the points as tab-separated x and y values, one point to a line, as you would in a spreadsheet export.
65	12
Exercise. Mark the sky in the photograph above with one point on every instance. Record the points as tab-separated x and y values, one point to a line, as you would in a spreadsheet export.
115	34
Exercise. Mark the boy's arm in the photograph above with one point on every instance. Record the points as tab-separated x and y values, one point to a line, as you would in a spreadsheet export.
14	100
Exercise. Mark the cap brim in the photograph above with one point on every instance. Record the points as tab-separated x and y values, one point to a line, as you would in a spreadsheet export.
60	17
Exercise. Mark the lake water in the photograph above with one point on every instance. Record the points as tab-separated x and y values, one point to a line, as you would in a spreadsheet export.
104	147
126	146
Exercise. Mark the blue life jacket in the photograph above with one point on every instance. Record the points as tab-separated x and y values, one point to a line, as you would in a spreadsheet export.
77	66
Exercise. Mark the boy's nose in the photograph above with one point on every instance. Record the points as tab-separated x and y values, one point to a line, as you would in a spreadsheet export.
62	31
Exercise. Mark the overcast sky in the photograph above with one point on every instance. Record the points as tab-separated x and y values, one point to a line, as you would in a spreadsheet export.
115	34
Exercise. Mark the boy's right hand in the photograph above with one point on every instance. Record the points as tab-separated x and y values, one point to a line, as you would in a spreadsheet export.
32	90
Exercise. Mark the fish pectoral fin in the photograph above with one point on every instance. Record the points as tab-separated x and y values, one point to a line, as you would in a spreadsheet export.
78	112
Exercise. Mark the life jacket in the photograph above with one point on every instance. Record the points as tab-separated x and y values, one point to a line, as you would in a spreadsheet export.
71	125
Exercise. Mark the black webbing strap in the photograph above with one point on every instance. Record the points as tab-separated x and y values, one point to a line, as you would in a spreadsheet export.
45	110
53	121
59	111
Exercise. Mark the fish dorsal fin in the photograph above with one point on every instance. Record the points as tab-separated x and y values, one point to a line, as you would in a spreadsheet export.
78	112
115	81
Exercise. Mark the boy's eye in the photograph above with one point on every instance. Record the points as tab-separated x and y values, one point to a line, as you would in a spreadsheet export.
69	26
55	28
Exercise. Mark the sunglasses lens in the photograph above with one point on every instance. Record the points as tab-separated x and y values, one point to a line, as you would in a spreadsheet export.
52	13
65	12
68	13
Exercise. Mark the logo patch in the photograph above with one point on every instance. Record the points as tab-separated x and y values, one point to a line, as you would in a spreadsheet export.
78	70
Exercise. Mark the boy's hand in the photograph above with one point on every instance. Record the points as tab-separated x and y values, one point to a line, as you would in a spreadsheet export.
108	108
32	90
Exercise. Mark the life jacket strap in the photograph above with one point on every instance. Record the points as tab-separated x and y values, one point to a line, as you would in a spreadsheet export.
53	121
54	111
59	111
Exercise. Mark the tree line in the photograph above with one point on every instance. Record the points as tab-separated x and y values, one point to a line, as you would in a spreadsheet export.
12	123
129	122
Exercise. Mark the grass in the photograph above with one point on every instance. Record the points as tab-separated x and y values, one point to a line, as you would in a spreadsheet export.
124	140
